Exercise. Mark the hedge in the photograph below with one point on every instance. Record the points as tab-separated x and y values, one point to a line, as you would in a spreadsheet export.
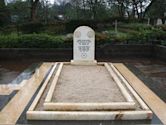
33	41
127	34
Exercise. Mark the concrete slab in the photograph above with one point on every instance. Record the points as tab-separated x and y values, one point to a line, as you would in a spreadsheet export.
12	111
153	101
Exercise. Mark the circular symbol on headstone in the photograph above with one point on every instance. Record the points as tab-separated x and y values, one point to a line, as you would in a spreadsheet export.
90	34
83	55
77	34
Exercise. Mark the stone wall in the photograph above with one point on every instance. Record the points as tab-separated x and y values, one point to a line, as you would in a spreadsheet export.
104	52
160	52
126	51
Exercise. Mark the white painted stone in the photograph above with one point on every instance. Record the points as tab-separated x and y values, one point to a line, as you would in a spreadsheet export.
159	21
84	46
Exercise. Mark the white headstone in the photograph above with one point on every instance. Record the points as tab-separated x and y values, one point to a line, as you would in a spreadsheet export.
159	21
84	46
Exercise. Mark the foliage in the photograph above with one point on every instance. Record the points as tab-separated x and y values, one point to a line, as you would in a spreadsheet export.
45	12
136	34
157	9
126	34
163	43
136	26
31	27
19	11
4	13
162	27
5	30
52	29
73	24
32	41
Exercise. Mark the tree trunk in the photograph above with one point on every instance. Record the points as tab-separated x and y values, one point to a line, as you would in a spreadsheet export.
120	8
133	11
34	10
141	8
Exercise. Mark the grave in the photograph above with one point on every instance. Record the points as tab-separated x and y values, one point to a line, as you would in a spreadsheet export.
85	89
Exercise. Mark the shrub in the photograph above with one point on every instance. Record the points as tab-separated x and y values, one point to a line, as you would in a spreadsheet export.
56	28
8	41
162	27
100	37
140	34
163	43
8	29
31	27
136	26
73	24
120	37
33	41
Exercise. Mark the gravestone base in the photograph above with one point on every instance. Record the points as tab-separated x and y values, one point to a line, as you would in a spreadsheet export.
81	62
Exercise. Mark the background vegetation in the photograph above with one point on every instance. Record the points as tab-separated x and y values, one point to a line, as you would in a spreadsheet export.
40	24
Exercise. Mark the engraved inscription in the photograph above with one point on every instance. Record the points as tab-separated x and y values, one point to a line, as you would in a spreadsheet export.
84	47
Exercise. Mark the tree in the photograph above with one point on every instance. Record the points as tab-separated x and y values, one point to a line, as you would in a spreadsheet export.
16	13
4	13
97	8
34	4
156	9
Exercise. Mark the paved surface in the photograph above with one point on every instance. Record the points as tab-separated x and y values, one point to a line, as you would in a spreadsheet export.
153	101
6	75
14	108
153	75
146	69
4	99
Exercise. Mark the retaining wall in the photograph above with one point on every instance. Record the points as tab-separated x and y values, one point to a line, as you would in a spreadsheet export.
105	52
